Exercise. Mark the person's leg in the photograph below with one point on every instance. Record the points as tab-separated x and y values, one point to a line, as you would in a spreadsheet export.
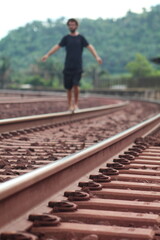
76	88
68	86
76	96
69	98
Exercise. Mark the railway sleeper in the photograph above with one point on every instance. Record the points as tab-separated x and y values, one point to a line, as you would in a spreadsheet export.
66	230
127	194
120	205
119	218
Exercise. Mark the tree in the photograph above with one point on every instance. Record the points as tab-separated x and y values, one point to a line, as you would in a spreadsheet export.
4	71
140	67
93	72
50	70
36	81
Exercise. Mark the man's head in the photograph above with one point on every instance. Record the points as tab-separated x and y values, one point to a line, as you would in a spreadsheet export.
72	25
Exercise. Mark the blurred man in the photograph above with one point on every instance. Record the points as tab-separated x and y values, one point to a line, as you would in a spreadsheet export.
74	44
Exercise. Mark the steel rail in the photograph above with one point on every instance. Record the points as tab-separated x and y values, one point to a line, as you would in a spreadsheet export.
50	179
12	124
31	100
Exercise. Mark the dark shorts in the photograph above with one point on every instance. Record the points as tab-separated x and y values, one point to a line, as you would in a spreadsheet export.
71	79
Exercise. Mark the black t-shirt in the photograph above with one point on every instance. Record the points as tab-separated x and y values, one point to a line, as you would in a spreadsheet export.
74	48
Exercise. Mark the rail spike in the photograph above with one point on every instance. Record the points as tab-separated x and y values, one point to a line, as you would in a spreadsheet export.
44	220
135	148
141	141
100	178
77	196
63	206
109	171
127	156
17	236
91	185
134	153
115	165
122	161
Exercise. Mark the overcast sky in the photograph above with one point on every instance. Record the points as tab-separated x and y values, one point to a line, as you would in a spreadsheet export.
16	13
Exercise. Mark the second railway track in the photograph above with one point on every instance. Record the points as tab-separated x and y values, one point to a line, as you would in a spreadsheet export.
23	148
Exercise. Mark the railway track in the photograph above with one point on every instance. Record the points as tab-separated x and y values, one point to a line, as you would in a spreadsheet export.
7	125
107	191
23	148
19	106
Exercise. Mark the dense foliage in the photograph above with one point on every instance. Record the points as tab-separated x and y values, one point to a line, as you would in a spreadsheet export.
121	42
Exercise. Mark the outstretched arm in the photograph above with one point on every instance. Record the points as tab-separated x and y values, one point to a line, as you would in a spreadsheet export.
94	53
51	51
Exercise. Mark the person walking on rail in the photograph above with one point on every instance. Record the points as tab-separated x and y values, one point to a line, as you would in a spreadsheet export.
74	44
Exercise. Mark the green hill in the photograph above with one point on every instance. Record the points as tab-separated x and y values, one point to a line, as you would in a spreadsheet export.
116	41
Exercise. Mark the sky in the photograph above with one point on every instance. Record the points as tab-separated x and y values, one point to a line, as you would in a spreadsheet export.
17	13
